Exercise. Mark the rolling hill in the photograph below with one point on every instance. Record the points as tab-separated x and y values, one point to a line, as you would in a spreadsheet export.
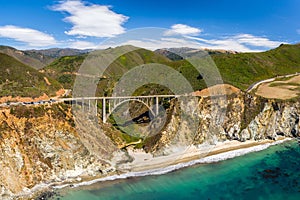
238	69
243	69
65	70
18	79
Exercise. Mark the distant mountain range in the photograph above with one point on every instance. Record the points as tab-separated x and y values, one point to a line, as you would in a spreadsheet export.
173	53
61	67
39	58
57	52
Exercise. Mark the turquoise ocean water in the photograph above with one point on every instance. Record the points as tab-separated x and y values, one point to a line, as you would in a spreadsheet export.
273	174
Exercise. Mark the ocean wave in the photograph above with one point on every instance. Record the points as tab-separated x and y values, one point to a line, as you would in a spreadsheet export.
165	170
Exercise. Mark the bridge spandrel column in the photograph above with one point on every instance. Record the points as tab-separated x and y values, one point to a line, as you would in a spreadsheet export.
109	107
96	107
104	110
82	104
156	105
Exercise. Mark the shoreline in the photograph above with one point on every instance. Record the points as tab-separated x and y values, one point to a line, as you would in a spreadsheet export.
161	165
219	154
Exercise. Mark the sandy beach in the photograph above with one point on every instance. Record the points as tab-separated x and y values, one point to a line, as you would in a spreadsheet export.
145	161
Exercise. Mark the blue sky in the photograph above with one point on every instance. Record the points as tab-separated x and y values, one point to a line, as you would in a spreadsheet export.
241	25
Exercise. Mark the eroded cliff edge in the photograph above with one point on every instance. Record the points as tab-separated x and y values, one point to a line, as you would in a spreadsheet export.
239	116
46	144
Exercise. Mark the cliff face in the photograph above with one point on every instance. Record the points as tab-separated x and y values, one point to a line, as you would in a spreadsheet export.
237	117
45	144
40	145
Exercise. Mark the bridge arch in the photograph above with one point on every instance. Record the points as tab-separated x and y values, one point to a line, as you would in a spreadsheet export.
127	100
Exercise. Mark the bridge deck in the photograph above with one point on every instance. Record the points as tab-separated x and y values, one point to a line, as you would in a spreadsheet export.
121	97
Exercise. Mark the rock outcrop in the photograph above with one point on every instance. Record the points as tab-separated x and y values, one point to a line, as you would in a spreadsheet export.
236	117
40	145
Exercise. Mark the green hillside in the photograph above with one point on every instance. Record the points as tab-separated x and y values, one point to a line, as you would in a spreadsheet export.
64	68
243	69
238	69
18	79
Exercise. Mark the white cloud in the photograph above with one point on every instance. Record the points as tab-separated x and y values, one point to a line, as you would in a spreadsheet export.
91	19
182	29
256	41
82	45
154	44
31	37
226	44
240	43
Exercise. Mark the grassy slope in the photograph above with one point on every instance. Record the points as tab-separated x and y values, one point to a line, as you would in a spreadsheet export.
63	68
18	79
240	70
243	69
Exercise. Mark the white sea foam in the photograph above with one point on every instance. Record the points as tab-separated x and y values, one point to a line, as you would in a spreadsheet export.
160	171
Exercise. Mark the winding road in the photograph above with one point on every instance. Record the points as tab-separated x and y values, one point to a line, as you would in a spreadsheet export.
255	85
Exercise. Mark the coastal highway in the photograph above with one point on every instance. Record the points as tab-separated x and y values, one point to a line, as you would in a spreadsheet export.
8	104
59	100
255	85
41	102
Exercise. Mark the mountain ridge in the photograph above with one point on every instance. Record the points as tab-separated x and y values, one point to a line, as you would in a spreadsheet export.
39	58
238	69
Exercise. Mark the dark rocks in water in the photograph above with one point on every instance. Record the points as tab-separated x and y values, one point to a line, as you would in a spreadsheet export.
47	195
271	173
286	174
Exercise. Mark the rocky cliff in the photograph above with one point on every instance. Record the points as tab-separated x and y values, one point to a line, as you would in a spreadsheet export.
45	144
239	117
40	145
